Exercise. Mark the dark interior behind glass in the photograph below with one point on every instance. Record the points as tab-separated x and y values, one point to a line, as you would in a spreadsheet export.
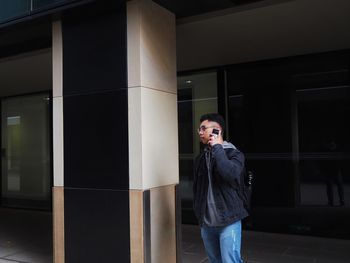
291	119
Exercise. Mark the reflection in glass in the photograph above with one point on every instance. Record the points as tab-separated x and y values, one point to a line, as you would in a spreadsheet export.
259	113
197	95
291	117
323	114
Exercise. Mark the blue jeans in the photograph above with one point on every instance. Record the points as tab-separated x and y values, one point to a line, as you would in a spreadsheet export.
223	244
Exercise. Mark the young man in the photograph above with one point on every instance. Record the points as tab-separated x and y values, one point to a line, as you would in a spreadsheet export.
218	207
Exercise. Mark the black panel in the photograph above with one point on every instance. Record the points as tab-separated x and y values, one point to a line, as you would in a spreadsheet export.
147	226
96	140
178	222
94	57
96	226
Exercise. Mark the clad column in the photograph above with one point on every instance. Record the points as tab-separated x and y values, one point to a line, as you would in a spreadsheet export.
153	135
57	192
91	193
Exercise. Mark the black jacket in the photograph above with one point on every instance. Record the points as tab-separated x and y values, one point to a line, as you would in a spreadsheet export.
226	165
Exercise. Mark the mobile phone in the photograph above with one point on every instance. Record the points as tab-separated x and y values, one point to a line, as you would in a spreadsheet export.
216	131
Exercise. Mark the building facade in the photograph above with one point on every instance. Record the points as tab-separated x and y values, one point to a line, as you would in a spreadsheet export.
100	101
114	126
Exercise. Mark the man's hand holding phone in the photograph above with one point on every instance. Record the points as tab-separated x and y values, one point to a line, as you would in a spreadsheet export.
215	137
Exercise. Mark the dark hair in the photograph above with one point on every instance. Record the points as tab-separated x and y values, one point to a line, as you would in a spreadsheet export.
214	117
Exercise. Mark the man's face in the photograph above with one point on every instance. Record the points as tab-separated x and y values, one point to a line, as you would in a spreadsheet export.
206	129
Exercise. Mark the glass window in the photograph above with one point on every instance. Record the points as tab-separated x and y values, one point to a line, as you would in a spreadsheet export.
259	110
197	95
259	121
25	142
11	9
291	119
323	105
44	3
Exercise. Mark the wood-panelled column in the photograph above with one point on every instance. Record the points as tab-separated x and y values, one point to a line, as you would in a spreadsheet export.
57	191
91	189
153	135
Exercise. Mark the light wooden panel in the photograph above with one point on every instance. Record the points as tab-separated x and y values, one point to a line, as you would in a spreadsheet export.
136	226
58	224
